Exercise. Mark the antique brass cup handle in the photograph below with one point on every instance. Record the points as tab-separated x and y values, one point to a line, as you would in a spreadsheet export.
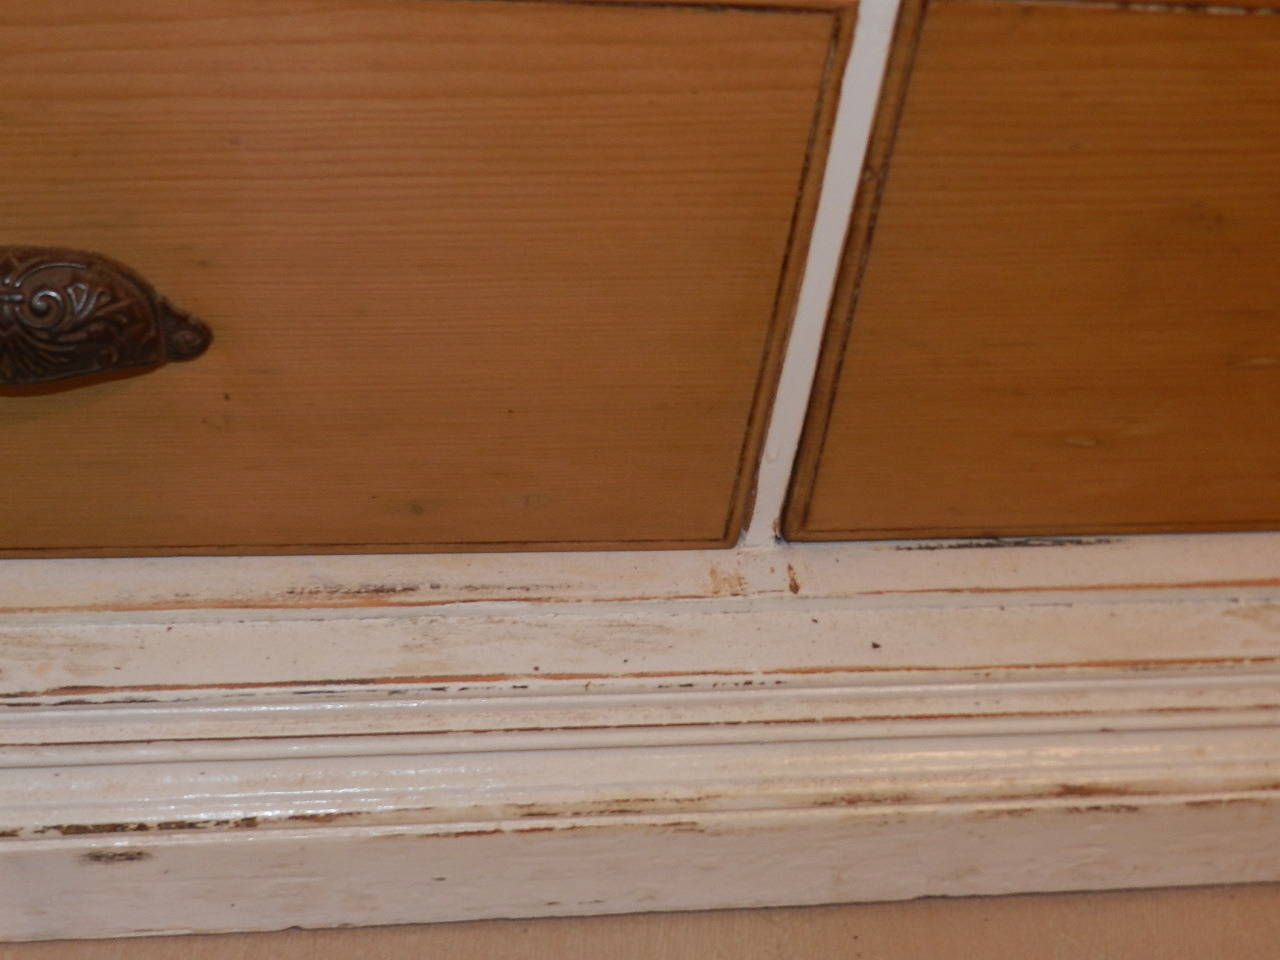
68	313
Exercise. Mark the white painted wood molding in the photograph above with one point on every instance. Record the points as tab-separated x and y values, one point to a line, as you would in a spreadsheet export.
253	743
456	836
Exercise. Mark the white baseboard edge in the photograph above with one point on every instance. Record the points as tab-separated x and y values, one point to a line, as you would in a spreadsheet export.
412	873
221	835
1000	721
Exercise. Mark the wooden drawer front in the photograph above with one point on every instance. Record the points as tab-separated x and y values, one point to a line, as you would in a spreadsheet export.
480	274
1069	319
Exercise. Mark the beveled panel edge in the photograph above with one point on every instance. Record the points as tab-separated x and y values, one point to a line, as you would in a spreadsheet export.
791	274
843	15
854	259
873	178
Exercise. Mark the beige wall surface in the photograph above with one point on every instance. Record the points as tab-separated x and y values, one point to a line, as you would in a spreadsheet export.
1239	923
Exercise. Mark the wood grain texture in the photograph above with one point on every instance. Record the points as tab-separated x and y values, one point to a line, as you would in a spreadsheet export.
481	274
1063	314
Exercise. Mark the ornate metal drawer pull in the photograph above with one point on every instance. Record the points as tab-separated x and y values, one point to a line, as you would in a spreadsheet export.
68	313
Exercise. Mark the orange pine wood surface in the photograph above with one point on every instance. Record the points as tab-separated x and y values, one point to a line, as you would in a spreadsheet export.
481	274
1069	318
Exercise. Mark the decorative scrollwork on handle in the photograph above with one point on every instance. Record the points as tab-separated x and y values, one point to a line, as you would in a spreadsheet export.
68	313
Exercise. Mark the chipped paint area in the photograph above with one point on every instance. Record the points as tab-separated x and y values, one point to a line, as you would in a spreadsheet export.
725	582
116	856
740	712
379	876
549	787
619	811
789	640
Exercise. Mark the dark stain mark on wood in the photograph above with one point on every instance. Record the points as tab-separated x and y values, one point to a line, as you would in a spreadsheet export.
115	856
426	681
87	703
793	582
242	823
861	799
464	833
363	590
81	829
631	806
690	826
996	543
1090	790
1007	812
333	817
89	829
1234	801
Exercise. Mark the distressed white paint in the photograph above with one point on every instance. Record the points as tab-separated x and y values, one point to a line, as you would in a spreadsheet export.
35	590
256	743
403	874
522	833
564	785
743	642
811	724
417	719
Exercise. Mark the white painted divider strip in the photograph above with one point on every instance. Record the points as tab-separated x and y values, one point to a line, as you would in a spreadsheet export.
859	95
